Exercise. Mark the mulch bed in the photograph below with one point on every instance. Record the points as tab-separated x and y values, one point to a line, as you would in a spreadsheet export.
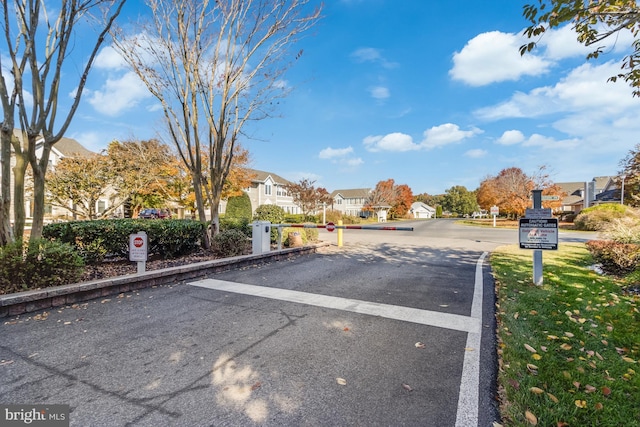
121	267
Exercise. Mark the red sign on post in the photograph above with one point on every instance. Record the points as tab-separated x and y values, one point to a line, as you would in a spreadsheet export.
331	226
138	242
138	247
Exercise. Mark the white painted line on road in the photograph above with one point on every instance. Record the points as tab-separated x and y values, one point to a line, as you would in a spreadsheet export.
406	314
470	382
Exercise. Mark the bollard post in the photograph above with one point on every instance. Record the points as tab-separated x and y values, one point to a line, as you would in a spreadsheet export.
339	234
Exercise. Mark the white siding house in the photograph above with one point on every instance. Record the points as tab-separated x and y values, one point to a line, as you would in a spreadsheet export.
350	202
421	210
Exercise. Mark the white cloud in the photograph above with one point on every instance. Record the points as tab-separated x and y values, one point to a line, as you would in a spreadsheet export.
281	84
391	142
366	54
476	153
584	90
494	57
341	156
562	43
379	92
110	59
537	140
330	153
370	54
436	136
446	134
511	137
93	141
118	95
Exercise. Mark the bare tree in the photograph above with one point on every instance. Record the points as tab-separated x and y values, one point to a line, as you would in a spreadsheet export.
37	45
215	65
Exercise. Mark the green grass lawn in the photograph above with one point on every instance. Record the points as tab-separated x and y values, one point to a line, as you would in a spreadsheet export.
570	349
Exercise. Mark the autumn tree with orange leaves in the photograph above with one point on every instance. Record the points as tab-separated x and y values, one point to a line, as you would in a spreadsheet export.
396	198
307	196
511	190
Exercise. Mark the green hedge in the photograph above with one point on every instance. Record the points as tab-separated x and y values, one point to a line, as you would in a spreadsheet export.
38	264
240	224
96	239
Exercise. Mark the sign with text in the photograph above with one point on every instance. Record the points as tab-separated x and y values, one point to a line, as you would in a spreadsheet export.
538	213
538	233
138	246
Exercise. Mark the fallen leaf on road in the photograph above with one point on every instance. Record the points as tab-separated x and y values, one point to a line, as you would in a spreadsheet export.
420	345
407	387
256	386
5	362
341	381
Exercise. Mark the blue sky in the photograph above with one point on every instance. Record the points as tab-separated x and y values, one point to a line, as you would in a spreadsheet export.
430	94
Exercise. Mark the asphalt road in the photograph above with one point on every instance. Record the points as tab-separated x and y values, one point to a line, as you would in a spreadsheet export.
395	328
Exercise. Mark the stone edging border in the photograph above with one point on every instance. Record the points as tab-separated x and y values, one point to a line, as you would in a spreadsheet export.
28	301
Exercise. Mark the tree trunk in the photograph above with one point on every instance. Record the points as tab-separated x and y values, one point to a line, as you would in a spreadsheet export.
19	213
39	168
202	216
6	233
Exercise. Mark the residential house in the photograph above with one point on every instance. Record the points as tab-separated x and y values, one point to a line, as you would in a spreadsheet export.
350	202
267	188
65	147
600	189
421	210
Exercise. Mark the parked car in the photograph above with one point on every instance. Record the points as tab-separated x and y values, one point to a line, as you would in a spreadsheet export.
154	213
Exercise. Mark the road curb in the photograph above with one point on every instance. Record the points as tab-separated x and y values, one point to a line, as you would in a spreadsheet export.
28	301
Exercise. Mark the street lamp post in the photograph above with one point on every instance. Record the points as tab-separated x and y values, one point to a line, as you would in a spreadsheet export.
622	193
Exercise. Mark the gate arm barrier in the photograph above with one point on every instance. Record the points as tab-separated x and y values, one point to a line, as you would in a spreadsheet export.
330	226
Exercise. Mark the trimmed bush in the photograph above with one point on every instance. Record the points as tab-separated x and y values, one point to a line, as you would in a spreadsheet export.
39	264
597	217
240	224
293	219
272	213
239	207
230	243
616	258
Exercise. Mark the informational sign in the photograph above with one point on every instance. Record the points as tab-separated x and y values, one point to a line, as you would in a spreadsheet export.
495	210
538	213
331	226
538	233
543	197
138	246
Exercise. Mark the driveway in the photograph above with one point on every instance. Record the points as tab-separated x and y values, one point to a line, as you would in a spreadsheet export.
396	328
